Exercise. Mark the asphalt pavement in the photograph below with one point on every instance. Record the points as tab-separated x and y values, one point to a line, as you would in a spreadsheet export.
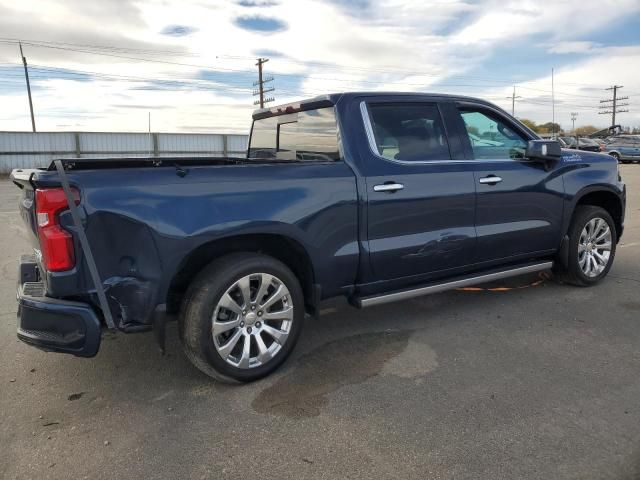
537	381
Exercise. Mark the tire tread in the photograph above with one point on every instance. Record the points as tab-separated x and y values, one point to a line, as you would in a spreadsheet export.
210	280
571	274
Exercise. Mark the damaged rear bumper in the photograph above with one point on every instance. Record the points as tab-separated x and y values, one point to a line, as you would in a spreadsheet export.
53	324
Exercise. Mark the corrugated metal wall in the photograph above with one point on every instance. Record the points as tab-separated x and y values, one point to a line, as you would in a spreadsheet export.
28	150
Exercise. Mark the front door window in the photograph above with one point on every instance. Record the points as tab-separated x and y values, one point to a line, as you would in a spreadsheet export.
492	139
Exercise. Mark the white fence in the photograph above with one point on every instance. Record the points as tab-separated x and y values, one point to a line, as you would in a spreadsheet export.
28	150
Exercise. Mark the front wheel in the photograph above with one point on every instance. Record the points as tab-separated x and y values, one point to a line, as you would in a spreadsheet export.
592	246
241	317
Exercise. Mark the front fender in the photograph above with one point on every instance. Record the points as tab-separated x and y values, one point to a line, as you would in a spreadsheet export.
586	173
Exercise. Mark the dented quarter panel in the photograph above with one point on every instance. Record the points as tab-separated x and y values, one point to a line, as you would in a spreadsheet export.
143	223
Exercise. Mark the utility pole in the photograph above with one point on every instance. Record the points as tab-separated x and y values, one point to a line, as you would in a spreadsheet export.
574	116
26	76
260	84
513	101
553	107
612	106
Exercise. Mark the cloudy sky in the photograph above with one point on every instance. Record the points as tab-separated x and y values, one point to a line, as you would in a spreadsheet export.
103	65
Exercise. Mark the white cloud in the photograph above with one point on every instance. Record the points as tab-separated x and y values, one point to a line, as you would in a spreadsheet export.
572	47
507	21
579	88
409	45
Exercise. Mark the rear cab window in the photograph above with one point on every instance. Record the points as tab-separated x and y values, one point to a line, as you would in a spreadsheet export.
310	135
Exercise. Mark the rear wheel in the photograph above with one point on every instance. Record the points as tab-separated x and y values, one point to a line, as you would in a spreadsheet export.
592	246
242	317
616	156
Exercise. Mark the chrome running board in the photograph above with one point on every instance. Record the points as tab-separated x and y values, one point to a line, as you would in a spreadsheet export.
441	287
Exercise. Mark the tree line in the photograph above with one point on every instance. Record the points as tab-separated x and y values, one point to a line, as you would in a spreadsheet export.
584	130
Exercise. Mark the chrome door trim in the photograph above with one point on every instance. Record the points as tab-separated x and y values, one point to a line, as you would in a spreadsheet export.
441	287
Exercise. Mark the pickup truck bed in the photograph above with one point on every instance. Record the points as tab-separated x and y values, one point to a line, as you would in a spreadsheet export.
148	226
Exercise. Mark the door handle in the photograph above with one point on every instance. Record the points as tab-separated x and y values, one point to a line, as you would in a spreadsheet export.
490	180
388	187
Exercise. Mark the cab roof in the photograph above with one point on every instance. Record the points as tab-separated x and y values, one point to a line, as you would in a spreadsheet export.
332	99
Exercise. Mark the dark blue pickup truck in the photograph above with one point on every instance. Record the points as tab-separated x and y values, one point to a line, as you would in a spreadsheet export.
378	197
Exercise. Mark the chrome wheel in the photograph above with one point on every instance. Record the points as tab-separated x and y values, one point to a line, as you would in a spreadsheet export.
252	320
594	247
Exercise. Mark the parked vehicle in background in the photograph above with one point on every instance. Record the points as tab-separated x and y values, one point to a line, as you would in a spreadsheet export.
624	148
377	197
589	145
586	144
601	143
476	141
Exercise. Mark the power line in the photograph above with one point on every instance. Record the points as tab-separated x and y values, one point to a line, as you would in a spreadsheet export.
117	54
392	69
109	50
237	87
557	92
64	74
159	84
95	47
208	67
547	103
381	69
307	76
222	85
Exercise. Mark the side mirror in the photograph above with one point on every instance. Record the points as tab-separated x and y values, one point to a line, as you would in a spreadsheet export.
543	150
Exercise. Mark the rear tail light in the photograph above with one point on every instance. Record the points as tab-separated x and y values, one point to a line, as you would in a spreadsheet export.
56	244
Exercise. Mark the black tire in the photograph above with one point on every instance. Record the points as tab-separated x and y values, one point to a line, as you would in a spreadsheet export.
616	156
201	299
573	274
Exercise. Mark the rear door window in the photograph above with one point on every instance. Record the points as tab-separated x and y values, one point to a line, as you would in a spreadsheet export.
303	136
408	131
